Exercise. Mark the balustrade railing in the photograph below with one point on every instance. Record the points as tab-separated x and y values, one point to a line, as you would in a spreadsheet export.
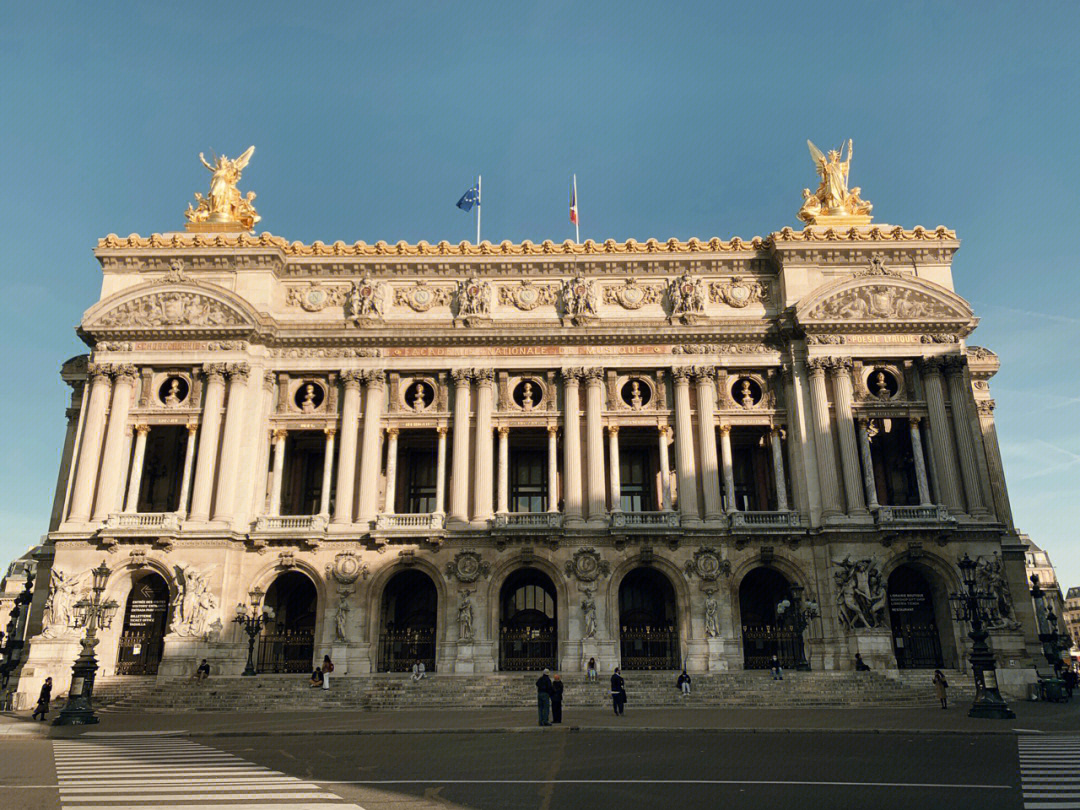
294	523
528	520
163	521
764	520
645	519
422	521
912	514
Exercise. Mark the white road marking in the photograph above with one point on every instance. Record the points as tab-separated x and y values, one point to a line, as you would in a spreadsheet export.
1049	766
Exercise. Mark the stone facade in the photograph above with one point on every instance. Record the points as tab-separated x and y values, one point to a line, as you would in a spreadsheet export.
502	438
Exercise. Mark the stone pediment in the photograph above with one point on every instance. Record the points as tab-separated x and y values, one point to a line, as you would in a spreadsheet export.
178	307
884	301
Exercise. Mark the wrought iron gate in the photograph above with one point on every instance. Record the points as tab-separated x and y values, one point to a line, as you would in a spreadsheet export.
762	642
139	654
527	649
400	649
649	648
291	651
917	646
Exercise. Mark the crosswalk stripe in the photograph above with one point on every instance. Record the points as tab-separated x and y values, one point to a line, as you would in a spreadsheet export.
226	806
186	797
1050	772
229	787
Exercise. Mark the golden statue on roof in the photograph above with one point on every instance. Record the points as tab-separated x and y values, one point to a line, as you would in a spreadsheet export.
834	203
223	208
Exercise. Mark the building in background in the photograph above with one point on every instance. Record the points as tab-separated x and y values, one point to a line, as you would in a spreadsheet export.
1072	619
1037	562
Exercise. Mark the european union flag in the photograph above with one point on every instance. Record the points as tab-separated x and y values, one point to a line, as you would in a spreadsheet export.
469	198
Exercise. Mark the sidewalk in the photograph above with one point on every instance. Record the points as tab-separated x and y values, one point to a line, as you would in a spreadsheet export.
1035	717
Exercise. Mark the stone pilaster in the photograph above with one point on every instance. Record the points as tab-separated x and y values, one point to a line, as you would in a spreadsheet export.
801	447
614	479
823	440
867	465
189	463
209	434
729	468
503	505
390	503
684	449
663	441
775	436
940	435
64	476
440	472
327	472
278	437
131	503
845	428
350	427
993	459
113	464
705	378
553	469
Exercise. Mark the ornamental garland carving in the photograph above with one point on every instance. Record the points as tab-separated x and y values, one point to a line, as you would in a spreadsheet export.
587	566
738	292
722	348
580	298
633	295
172	309
315	297
979	353
467	566
308	353
881	301
366	300
421	297
707	565
527	296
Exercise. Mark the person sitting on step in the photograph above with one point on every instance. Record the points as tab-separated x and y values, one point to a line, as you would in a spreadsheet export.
316	679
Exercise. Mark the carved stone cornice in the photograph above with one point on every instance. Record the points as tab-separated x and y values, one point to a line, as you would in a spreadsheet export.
215	372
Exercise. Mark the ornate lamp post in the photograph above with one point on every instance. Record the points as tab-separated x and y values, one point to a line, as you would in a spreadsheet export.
795	613
978	608
90	612
1047	624
252	621
14	644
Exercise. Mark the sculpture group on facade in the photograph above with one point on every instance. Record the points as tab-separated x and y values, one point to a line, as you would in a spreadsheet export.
465	615
833	200
588	612
224	205
990	579
194	601
860	594
59	616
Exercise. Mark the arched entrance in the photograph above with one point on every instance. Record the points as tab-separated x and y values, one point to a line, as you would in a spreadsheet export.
142	638
409	618
914	616
763	637
287	643
528	622
648	624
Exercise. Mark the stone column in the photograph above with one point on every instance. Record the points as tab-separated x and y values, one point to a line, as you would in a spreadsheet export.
327	472
350	426
206	460
944	456
189	459
710	473
684	449
482	497
504	470
920	461
63	478
823	440
86	471
993	458
278	437
729	468
235	417
390	504
553	469
845	427
113	465
778	468
375	383
459	483
572	447
440	472
665	468
867	464
613	468
135	481
594	442
959	393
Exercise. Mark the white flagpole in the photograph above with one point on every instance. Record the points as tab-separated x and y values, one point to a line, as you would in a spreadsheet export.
479	201
577	214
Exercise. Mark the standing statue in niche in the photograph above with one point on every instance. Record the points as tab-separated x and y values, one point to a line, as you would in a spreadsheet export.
341	618
712	614
465	616
588	613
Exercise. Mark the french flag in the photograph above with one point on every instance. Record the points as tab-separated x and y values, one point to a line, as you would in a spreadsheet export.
573	202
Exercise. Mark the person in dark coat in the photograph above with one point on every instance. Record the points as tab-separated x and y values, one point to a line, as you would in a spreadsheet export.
860	665
941	687
618	692
43	700
556	699
683	683
777	670
544	690
316	678
1070	682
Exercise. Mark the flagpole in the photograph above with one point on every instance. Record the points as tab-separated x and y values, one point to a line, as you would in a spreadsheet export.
577	214
479	202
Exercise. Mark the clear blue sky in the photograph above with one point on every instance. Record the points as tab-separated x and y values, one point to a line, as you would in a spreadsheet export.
680	119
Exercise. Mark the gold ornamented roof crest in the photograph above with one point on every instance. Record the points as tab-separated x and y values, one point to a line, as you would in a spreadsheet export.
834	203
223	209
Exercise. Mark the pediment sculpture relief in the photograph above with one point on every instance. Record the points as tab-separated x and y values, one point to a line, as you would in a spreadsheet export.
172	308
883	301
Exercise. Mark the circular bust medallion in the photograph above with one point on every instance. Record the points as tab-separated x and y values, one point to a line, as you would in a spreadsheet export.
708	565
738	295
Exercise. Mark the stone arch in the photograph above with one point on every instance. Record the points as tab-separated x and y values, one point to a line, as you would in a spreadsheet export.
184	306
678	582
562	595
375	591
943	579
272	570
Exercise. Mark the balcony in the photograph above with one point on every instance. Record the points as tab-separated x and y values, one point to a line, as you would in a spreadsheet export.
406	525
143	522
645	520
282	524
528	520
892	515
765	520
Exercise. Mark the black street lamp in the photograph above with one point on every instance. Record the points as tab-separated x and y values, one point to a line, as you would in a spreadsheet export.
252	622
90	612
1046	621
978	608
14	639
794	612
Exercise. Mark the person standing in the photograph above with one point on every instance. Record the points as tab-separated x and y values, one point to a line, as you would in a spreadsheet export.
556	699
941	687
327	668
684	683
1070	682
776	669
618	692
43	700
544	691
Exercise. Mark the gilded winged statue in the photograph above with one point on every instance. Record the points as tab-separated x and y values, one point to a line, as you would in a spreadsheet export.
833	202
224	208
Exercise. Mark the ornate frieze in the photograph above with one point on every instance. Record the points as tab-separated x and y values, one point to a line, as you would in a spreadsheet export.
313	353
527	296
316	296
633	294
423	296
880	302
171	308
738	292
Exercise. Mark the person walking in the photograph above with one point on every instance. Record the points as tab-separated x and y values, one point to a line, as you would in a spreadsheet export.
327	668
618	692
1070	679
556	699
941	686
43	700
544	691
419	670
776	669
684	683
590	670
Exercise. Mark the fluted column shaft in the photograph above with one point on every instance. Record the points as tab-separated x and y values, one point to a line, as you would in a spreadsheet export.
959	393
390	505
685	466
459	483
62	493
113	465
86	469
665	468
375	385
440	472
350	427
920	461
482	470
279	436
327	472
572	447
944	457
728	468
594	442
135	480
504	470
867	465
823	440
845	427
778	469
189	463
235	417
553	470
710	473
614	473
209	433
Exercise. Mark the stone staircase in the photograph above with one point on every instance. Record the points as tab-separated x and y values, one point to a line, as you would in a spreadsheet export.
511	690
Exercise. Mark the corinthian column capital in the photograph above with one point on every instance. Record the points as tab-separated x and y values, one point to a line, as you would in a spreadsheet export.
681	375
125	372
214	372
374	378
239	371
